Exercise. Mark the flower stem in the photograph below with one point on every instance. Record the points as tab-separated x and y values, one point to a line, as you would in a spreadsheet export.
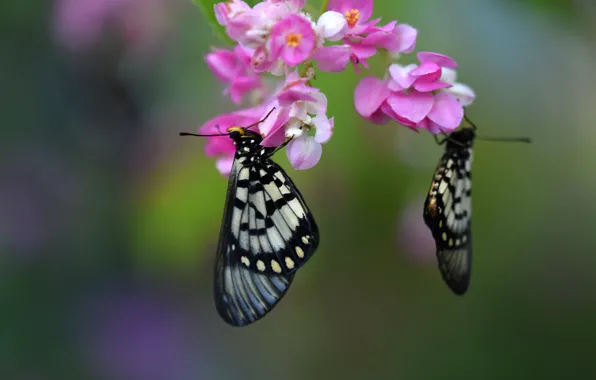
324	6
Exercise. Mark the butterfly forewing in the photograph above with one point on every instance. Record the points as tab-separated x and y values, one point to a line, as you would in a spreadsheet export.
448	211
267	234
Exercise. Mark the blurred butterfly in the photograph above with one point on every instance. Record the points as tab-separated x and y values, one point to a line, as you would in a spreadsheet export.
448	207
267	232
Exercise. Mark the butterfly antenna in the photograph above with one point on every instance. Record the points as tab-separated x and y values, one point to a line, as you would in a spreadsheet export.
260	121
526	140
201	135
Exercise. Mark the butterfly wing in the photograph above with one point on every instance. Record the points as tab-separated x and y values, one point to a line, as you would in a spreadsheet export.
242	295
285	228
267	234
447	212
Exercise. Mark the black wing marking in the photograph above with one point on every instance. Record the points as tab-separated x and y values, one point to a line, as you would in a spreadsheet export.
242	295
286	235
448	211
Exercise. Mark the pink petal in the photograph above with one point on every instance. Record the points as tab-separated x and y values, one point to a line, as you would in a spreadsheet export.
222	63
320	103
363	51
324	128
389	27
275	138
304	152
385	40
241	85
288	97
401	75
428	70
261	60
407	38
224	165
272	127
413	106
386	108
369	94
428	86
364	6
270	123
439	59
446	111
362	28
332	59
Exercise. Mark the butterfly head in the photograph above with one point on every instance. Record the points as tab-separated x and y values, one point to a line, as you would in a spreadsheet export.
242	135
463	138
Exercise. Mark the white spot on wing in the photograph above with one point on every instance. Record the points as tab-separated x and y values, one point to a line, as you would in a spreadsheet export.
275	266
289	263
260	265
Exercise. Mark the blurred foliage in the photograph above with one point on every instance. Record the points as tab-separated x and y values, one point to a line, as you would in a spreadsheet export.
206	7
109	220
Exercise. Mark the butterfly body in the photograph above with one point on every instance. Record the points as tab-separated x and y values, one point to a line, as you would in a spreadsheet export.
448	210
267	233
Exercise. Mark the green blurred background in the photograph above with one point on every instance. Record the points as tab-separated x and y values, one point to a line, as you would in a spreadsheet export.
109	220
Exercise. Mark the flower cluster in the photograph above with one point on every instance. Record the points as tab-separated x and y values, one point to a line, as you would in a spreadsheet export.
277	37
423	96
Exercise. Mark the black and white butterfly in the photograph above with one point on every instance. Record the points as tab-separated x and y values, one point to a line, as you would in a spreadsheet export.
448	209
448	206
267	233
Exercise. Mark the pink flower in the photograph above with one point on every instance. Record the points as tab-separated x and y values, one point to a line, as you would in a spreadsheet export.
356	12
292	39
233	67
299	109
416	96
365	37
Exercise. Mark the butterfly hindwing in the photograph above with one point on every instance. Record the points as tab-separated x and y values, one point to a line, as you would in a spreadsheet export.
263	240
448	211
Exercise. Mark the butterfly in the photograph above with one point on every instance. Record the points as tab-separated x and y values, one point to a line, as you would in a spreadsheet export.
266	235
448	206
448	209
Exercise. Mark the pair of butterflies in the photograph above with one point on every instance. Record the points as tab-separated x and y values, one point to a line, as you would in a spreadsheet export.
268	232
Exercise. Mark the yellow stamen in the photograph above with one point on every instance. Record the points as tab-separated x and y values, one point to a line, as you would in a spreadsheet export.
352	17
293	39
